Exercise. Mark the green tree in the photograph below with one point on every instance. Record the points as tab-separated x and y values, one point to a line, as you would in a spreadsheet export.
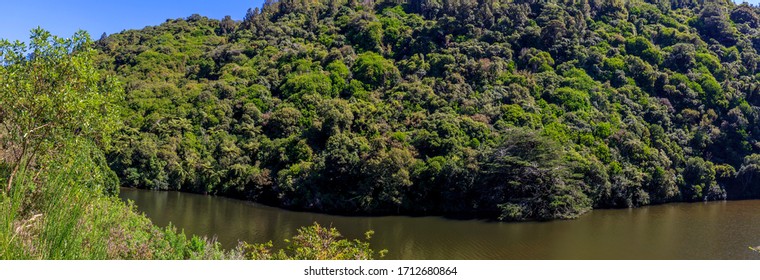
374	70
745	14
49	91
316	243
366	32
682	57
640	46
527	177
747	177
227	25
713	23
699	179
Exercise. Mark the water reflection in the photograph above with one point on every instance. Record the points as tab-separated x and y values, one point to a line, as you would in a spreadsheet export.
717	230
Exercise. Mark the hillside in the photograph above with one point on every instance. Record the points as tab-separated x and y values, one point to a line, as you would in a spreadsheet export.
512	110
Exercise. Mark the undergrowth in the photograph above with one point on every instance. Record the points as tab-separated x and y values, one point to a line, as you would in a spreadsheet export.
66	209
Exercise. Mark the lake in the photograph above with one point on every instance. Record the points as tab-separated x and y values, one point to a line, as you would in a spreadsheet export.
711	230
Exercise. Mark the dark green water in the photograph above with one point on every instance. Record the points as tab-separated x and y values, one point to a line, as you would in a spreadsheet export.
715	230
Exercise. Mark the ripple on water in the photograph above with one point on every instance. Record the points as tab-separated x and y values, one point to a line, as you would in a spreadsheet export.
715	230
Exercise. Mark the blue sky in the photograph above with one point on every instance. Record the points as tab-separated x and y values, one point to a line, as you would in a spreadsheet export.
63	18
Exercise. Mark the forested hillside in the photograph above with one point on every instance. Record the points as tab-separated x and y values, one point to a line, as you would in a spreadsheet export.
511	110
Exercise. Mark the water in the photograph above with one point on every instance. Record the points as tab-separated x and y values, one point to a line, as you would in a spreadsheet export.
714	230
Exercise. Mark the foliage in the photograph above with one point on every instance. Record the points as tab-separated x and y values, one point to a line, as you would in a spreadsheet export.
528	176
374	70
383	107
315	243
49	91
60	212
63	206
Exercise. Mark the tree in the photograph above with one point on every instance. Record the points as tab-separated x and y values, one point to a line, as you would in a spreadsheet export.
284	121
571	99
316	243
374	70
536	60
682	57
103	41
640	46
713	23
250	17
227	25
366	33
309	83
699	179
49	91
745	14
527	177
748	186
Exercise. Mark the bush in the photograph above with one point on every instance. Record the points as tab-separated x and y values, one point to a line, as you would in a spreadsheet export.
61	212
528	177
375	71
316	243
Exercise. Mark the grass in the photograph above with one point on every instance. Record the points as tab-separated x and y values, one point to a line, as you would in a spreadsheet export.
62	210
67	208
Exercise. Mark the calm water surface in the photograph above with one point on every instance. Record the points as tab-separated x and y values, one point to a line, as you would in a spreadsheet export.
715	230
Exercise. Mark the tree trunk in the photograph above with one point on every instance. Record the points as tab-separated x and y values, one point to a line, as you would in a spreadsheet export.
10	179
15	167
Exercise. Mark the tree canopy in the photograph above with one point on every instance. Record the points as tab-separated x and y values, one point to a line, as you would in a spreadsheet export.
50	90
509	110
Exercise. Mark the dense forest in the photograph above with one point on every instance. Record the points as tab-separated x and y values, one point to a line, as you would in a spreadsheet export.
511	110
57	200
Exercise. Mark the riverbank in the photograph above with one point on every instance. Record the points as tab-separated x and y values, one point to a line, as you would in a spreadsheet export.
64	209
61	211
668	231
